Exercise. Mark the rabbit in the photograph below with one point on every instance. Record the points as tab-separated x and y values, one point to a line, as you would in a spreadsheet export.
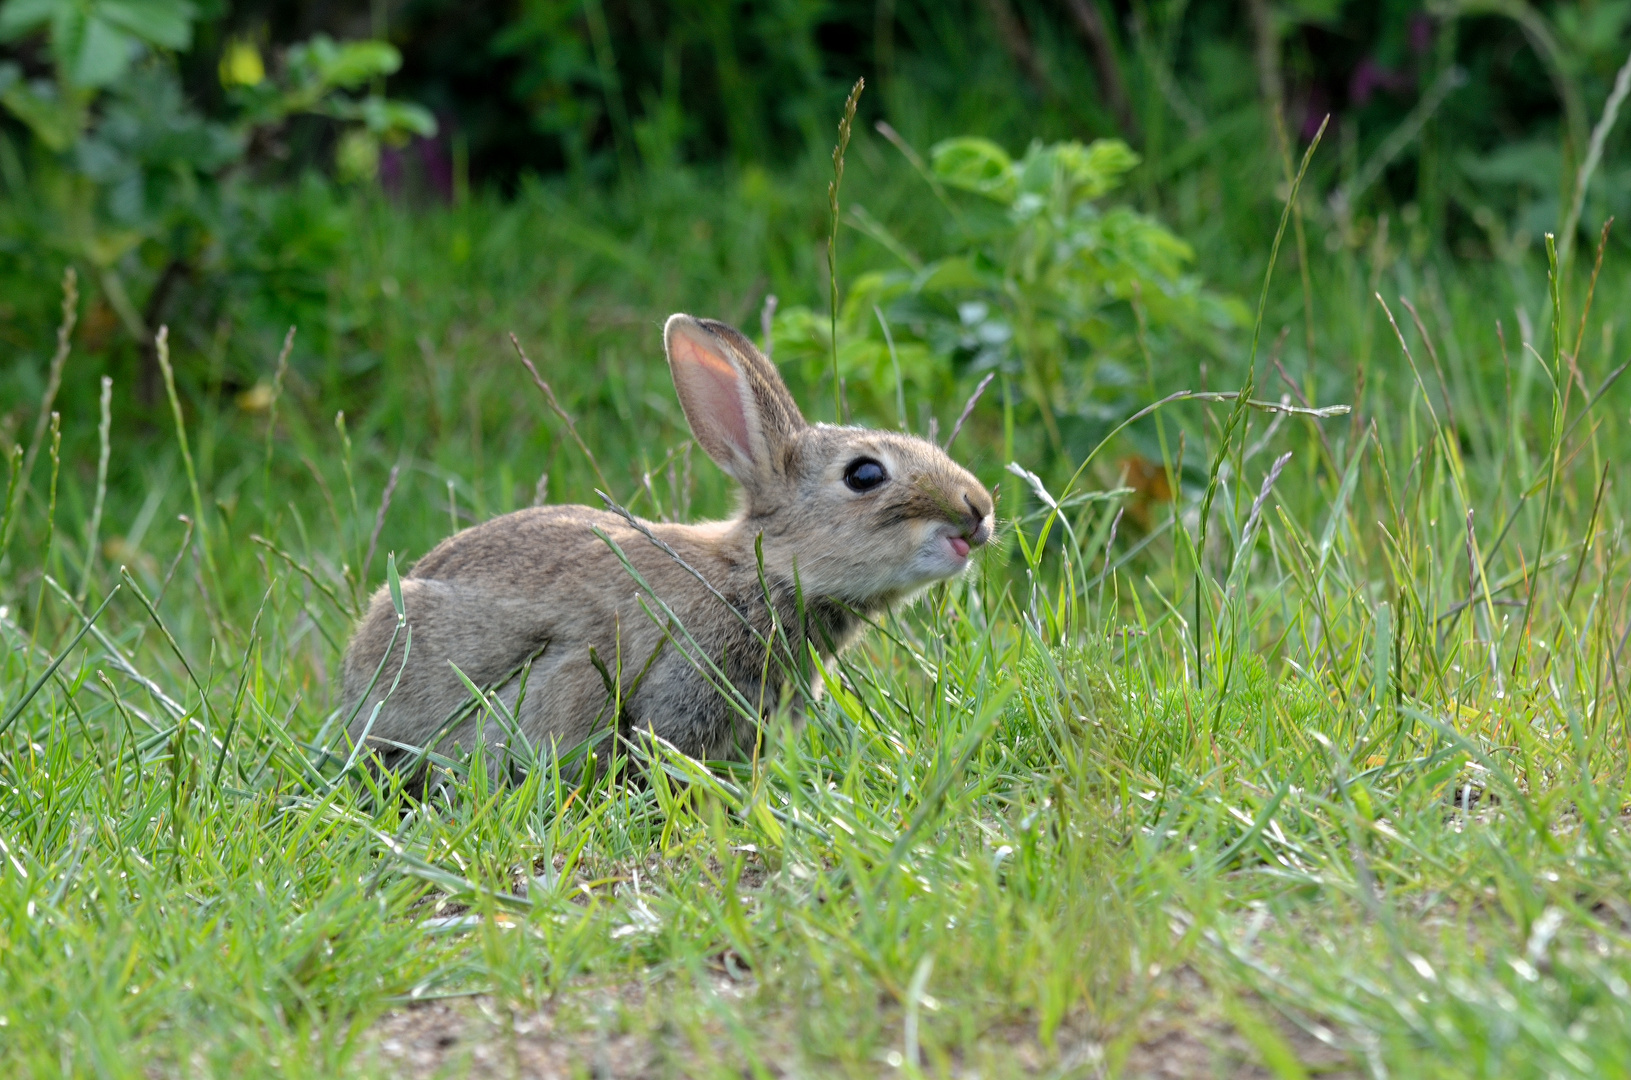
844	521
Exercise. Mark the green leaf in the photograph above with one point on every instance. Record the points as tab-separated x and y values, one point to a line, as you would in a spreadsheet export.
53	121
386	117
331	64
103	54
1076	171
94	40
977	165
955	274
394	580
19	17
165	23
1100	167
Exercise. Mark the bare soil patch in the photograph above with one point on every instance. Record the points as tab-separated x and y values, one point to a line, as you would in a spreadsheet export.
1181	1037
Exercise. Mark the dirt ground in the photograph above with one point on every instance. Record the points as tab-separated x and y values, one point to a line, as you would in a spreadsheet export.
1178	1039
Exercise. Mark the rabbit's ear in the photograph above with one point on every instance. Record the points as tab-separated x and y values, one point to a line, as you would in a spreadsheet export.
738	407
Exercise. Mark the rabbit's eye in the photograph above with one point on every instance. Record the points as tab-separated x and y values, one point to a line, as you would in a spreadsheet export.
864	474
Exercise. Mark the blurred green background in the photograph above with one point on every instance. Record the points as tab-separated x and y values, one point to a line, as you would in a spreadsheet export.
406	182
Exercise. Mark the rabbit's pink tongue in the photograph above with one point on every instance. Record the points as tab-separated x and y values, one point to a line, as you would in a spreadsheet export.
960	546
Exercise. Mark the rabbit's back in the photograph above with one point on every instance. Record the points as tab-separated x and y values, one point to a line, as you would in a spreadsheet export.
540	582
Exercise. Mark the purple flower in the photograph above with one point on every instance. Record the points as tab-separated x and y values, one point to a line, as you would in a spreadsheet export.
1421	33
1370	77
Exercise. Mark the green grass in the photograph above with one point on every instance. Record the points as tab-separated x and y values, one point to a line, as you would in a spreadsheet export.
1364	816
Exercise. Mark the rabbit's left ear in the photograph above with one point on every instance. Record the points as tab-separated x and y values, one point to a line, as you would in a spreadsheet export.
735	400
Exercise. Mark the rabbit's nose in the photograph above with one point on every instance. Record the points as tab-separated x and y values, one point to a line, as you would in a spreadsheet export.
979	509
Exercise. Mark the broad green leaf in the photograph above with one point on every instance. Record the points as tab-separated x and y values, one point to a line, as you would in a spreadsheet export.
19	17
347	65
103	53
386	117
1076	171
1103	165
951	275
977	165
355	62
876	287
166	23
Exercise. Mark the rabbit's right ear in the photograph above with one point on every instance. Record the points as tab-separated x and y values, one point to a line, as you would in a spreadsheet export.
735	400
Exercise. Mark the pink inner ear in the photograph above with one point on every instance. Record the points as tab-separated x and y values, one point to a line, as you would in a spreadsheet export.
714	391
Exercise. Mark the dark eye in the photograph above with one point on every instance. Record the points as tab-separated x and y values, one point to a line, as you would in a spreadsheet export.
864	474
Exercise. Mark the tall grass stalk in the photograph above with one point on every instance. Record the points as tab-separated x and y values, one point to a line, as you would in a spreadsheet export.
161	349
14	476
53	378
93	531
280	369
49	549
844	127
894	364
1238	413
359	583
1593	158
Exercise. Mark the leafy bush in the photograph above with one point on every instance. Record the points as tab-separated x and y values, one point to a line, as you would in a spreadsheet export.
121	173
1043	284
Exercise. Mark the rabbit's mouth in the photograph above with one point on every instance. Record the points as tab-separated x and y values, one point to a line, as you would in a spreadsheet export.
952	546
962	542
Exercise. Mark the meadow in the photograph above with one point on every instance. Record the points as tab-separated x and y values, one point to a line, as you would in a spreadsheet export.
1281	733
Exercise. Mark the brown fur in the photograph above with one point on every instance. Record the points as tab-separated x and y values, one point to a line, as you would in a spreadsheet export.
495	594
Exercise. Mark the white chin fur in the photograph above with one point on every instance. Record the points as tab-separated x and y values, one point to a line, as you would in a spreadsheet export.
931	560
935	561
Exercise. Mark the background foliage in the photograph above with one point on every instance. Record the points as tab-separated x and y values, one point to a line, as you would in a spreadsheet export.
201	165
